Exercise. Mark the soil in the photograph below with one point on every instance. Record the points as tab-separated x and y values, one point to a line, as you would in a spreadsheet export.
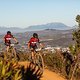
47	75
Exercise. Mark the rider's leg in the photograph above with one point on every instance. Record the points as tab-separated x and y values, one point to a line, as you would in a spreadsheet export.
32	54
6	53
14	52
7	48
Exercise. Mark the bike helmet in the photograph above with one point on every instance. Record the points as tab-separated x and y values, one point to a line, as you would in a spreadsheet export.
35	35
8	32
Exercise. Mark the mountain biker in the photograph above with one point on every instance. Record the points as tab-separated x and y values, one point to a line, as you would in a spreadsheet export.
7	39
32	44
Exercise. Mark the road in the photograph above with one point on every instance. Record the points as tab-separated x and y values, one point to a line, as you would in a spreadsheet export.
47	75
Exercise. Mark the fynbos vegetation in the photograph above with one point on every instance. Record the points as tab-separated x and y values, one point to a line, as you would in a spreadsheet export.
11	70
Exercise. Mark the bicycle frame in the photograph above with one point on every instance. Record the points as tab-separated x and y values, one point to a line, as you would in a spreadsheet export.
38	59
12	52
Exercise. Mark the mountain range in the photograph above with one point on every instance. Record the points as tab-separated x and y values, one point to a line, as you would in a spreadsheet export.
55	25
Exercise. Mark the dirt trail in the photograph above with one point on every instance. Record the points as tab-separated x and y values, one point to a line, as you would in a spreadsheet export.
47	75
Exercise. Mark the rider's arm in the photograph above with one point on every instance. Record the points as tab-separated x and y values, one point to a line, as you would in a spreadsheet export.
41	45
28	45
4	39
15	39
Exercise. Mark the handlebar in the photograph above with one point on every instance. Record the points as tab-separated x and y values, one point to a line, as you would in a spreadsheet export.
39	49
13	44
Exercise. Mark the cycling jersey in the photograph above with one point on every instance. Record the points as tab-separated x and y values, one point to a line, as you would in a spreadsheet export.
33	41
8	39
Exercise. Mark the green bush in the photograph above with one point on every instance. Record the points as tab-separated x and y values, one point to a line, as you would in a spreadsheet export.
11	70
8	71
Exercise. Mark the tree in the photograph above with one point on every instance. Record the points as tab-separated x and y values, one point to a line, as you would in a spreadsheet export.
78	20
76	38
76	35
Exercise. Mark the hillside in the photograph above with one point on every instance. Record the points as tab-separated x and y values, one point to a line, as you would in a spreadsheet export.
48	37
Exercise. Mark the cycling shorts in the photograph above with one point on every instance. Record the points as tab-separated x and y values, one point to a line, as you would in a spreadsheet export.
7	44
33	47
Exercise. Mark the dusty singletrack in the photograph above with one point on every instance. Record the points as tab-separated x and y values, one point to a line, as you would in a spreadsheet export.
47	75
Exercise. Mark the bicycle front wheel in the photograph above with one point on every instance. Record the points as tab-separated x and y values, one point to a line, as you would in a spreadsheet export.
14	53
39	62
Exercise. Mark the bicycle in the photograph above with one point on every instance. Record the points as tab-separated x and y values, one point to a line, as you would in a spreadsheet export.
11	52
38	59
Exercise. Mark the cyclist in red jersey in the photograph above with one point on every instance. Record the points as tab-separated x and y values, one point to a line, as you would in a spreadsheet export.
32	44
7	39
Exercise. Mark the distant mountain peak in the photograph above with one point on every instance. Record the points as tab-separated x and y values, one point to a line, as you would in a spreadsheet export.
53	25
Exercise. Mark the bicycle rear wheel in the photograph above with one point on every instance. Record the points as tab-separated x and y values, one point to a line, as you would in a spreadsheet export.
39	62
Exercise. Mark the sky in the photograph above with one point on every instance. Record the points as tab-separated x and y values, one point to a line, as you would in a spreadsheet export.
25	13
